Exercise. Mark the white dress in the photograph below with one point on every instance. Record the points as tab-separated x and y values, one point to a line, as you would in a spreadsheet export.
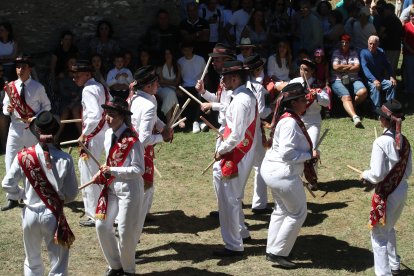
167	93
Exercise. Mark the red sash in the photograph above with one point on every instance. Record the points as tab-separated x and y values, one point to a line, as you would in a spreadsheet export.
22	108
98	128
231	159
35	175
384	188
309	165
116	158
148	176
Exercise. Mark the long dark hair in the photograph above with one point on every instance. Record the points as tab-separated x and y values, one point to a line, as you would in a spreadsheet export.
174	60
107	23
9	29
251	21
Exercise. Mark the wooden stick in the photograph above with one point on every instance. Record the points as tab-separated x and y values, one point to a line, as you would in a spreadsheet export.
190	95
354	169
178	122
376	133
71	121
206	68
322	138
181	110
69	142
89	153
70	150
208	167
177	106
309	190
86	185
157	171
211	126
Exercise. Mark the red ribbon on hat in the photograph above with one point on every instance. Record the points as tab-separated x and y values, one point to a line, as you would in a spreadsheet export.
397	118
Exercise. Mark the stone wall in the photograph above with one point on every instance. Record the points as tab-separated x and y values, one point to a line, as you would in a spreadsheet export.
37	24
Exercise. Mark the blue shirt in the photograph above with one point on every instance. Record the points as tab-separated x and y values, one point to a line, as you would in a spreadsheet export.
374	65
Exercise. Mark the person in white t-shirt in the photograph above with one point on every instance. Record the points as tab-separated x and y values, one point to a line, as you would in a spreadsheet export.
238	21
212	13
192	67
119	78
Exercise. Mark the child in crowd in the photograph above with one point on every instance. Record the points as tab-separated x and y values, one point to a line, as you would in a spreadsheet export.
119	78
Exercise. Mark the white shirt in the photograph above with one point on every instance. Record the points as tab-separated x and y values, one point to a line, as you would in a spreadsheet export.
191	70
35	96
239	19
260	92
144	118
6	49
313	112
214	27
290	146
384	156
62	177
93	96
239	115
111	77
273	69
133	167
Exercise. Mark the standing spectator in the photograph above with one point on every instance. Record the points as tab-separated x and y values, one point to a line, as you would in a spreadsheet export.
336	30
196	30
345	79
229	10
238	21
257	31
323	12
390	34
362	29
192	67
104	44
408	53
374	63
169	77
310	29
279	65
162	35
119	78
212	13
8	51
62	53
279	22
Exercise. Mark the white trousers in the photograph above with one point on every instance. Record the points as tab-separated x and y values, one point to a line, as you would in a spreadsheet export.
314	131
383	238
40	224
259	200
17	138
124	201
87	169
229	196
146	206
290	208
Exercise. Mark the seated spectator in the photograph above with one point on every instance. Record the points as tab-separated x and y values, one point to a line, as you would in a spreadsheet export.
119	78
69	95
196	30
405	14
279	65
192	67
345	79
408	53
104	45
390	34
162	35
129	61
62	53
169	77
302	54
246	48
144	58
374	64
96	62
8	51
256	30
362	29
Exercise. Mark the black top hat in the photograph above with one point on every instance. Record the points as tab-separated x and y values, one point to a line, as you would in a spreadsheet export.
253	62
233	66
82	66
25	59
118	104
145	75
222	50
44	124
308	62
391	108
293	91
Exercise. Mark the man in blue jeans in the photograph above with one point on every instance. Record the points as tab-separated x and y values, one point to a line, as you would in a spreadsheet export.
374	64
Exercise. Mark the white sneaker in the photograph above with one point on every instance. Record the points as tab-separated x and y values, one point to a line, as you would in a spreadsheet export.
196	127
357	122
203	127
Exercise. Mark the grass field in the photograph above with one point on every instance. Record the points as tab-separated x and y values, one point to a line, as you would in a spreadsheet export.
334	240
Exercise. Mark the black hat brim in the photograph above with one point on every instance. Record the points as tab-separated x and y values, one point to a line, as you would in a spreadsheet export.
53	129
125	112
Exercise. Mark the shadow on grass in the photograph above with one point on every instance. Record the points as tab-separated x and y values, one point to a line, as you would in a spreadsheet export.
317	208
176	221
76	207
185	271
330	253
340	185
195	252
